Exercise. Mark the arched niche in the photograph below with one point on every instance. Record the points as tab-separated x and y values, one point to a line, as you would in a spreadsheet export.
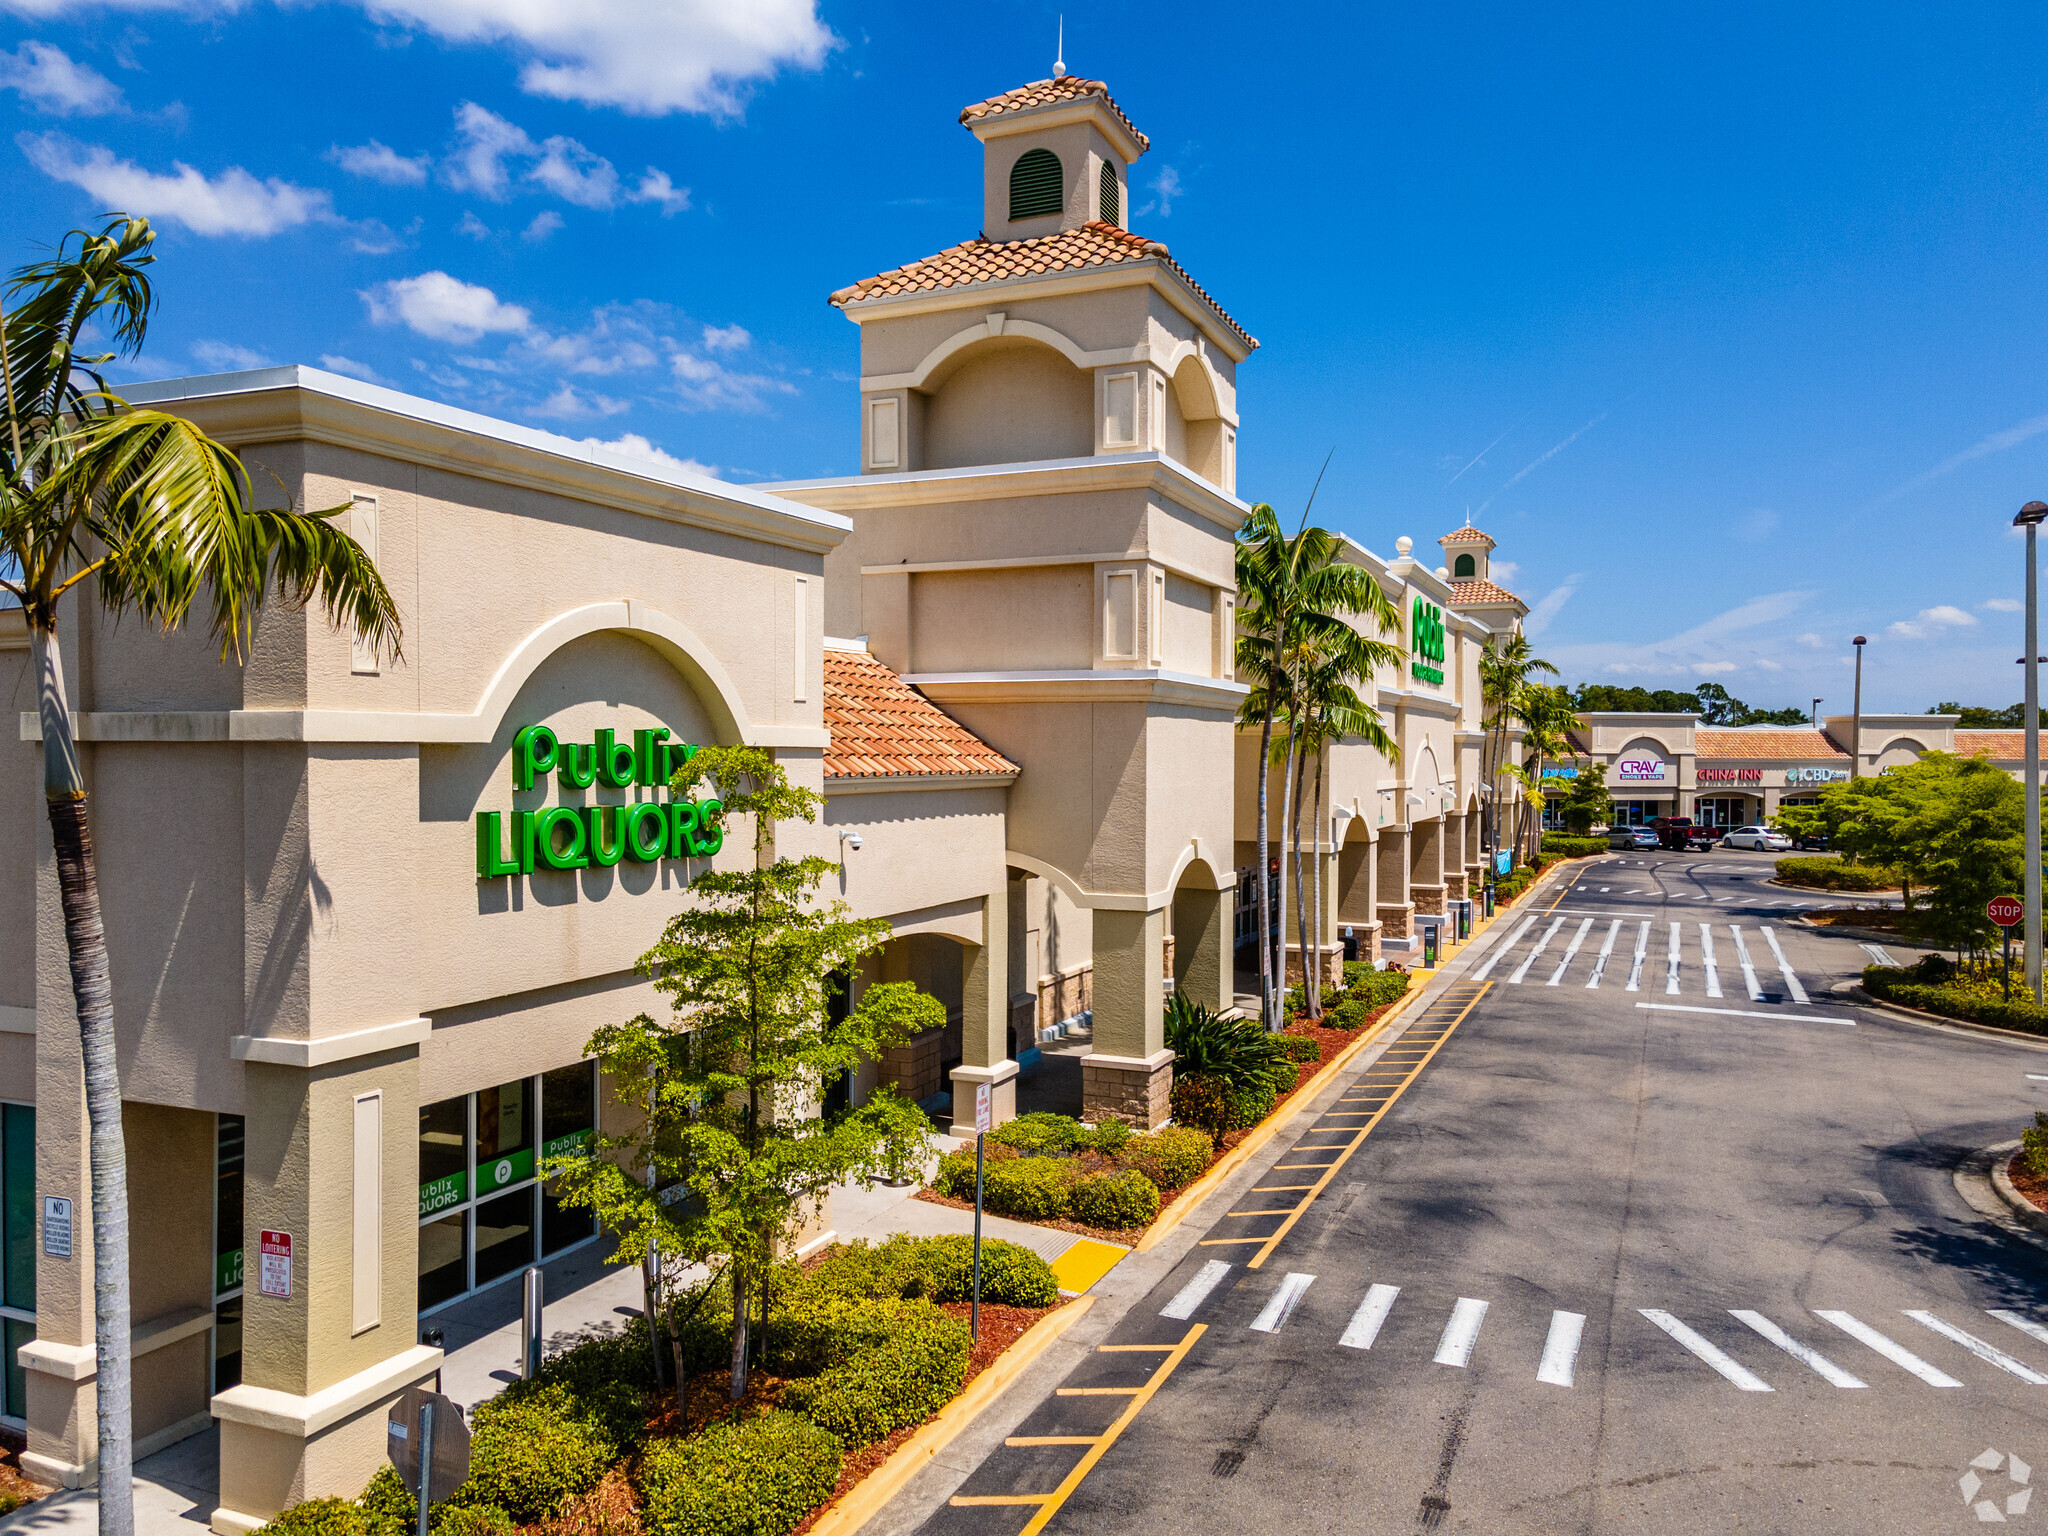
1007	399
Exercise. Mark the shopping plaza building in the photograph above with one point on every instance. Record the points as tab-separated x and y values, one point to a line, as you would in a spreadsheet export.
365	913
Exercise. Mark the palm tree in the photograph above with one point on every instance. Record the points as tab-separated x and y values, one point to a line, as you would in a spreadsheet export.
1547	718
1296	596
148	514
1504	672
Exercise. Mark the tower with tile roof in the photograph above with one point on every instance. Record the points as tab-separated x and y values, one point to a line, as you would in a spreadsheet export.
1042	547
1468	564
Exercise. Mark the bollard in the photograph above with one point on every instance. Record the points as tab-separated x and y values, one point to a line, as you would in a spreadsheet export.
530	1362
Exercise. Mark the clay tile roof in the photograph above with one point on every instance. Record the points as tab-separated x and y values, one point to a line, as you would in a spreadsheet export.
981	260
1466	535
1050	93
1481	592
1792	741
2004	746
881	726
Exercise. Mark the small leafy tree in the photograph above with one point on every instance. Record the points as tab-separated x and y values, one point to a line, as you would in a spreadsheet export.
728	1153
1588	801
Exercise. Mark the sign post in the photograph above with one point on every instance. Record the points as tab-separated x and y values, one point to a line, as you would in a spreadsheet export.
982	1117
2008	912
429	1447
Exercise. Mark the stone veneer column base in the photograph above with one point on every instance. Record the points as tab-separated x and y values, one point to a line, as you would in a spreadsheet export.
1454	887
1333	964
1394	919
1428	899
1135	1089
1002	1097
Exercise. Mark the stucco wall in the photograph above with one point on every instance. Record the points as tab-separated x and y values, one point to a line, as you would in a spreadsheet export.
1013	402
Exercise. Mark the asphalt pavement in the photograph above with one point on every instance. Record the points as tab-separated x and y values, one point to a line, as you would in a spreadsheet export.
1637	1228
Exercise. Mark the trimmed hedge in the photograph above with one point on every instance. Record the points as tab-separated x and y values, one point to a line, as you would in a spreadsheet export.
1834	875
479	1520
1898	986
322	1517
1040	1134
1213	1105
1568	847
942	1269
1171	1158
1302	1048
532	1452
757	1478
1114	1200
902	1378
1029	1188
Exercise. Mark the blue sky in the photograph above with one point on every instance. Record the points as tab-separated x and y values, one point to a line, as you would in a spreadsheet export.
1727	322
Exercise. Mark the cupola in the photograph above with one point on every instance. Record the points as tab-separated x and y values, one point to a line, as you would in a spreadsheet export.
1467	553
1056	154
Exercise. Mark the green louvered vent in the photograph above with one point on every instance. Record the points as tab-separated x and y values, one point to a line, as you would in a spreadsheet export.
1467	566
1035	185
1110	202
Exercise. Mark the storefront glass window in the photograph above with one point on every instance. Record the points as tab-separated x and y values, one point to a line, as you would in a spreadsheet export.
483	1213
1722	811
17	1253
227	1252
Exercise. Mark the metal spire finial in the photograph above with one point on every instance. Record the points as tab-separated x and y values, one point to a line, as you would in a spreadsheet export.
1059	65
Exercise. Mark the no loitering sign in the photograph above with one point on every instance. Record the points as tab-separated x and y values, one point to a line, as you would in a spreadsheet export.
274	1274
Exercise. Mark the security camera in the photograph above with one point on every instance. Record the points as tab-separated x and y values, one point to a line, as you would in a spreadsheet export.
851	840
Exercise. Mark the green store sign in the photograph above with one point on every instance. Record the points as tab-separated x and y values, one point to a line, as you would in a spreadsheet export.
227	1272
583	836
1426	642
443	1192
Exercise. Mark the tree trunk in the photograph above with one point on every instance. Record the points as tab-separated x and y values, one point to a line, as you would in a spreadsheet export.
1315	986
86	942
739	1334
1277	1018
1263	900
1300	879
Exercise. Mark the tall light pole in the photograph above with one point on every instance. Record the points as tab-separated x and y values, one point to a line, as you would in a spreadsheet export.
1816	712
2030	518
1856	715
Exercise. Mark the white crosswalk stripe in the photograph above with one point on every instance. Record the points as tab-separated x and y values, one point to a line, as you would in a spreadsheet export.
1747	1380
1982	1350
1897	1353
1671	963
1803	1353
1707	959
1785	968
1571	951
1561	1349
1635	970
1501	949
1461	1332
1372	1312
1548	933
1606	949
1196	1291
1756	992
1281	1304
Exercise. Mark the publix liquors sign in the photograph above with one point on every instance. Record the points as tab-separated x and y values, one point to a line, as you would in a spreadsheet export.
582	836
1426	642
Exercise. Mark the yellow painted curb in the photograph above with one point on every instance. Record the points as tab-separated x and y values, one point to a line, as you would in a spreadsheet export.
1268	1128
865	1500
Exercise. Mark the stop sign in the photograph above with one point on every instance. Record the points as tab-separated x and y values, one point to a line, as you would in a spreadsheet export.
2006	911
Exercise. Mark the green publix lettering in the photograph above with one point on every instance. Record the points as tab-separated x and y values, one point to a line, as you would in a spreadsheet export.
580	836
1426	641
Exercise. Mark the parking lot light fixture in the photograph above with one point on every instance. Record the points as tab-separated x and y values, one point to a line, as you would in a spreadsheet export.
2030	518
1856	714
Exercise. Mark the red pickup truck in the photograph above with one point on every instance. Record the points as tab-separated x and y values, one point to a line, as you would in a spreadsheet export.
1679	833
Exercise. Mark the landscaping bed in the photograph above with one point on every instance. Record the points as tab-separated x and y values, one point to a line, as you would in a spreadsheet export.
1833	874
1971	995
16	1490
2031	1185
862	1345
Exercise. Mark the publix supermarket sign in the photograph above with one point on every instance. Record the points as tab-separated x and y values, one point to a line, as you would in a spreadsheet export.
1426	642
582	836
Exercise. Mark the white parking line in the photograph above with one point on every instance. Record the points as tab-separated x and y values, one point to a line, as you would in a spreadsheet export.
1606	949
1561	1349
1365	1323
1635	970
1502	948
1785	966
1707	959
1988	1353
1281	1303
1671	967
1876	952
1548	933
1461	1332
1707	1352
1805	1354
1196	1291
1570	951
1743	1013
1898	1354
1756	992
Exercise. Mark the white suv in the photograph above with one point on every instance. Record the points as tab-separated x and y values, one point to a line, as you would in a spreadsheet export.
1761	839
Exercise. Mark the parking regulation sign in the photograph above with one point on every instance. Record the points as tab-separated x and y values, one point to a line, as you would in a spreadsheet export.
2006	911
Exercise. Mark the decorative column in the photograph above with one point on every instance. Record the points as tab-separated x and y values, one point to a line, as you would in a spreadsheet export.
985	1019
1394	908
1129	1074
1204	961
1426	865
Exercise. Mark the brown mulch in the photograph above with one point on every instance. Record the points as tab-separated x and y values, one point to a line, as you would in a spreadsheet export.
16	1490
2027	1182
1889	919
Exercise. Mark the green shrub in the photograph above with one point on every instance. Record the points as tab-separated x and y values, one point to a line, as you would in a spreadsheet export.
608	1380
955	1178
1030	1189
1040	1134
1283	1075
2034	1142
1216	1105
1237	1051
1567	847
10	1502
473	1520
1349	1014
321	1517
1302	1047
1109	1138
902	1379
1904	987
388	1505
942	1269
1834	875
1295	1003
1172	1158
530	1453
757	1478
1114	1200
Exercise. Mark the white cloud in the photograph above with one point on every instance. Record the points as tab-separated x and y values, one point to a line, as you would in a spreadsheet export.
373	237
726	338
1813	642
710	385
380	162
443	307
225	355
576	405
1165	188
633	445
1932	621
48	78
1765	664
1984	447
2005	605
487	140
1504	572
545	223
1714	668
334	362
232	203
1550	605
473	226
655	187
576	175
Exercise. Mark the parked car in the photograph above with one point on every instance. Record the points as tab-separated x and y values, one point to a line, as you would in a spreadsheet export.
1760	839
1631	837
1680	833
1813	842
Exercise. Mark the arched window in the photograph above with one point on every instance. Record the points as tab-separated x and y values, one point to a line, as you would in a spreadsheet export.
1110	204
1465	567
1035	184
